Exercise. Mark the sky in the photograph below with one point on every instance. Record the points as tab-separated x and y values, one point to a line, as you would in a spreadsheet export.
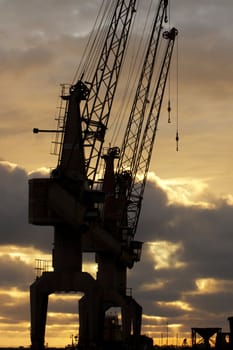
185	276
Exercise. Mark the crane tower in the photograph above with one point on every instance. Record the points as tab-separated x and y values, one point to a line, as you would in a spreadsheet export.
99	219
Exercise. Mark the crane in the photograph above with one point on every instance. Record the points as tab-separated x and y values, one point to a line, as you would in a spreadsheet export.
100	220
65	200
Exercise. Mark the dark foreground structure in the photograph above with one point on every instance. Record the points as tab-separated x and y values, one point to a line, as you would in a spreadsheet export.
94	209
223	340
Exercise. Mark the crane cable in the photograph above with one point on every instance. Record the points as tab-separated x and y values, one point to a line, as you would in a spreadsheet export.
136	61
92	45
97	46
177	96
177	85
169	73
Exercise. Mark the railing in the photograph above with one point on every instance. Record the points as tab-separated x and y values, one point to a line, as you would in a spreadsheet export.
41	266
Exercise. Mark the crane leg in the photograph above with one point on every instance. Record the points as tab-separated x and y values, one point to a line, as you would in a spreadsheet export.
83	323
91	313
126	323
39	304
131	319
91	321
137	319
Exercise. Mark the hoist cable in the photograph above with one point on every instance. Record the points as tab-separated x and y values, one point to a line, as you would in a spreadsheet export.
128	87
98	43
132	76
115	121
169	107
81	64
177	95
91	44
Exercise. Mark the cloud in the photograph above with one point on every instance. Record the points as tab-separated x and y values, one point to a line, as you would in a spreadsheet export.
15	272
185	273
40	15
185	243
14	307
15	229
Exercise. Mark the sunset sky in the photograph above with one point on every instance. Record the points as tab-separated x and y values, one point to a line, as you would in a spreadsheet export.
185	277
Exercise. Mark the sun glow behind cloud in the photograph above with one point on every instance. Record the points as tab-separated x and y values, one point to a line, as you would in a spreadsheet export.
166	254
9	165
185	191
212	285
25	254
176	304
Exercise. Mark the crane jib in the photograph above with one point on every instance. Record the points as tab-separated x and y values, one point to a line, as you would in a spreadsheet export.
134	127
96	112
141	168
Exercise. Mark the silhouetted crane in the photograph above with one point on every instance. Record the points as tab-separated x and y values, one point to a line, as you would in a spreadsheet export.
102	219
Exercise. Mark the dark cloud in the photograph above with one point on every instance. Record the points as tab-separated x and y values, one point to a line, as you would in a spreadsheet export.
205	234
15	273
49	18
15	229
14	310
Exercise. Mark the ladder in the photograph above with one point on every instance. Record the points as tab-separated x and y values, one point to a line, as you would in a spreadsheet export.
60	118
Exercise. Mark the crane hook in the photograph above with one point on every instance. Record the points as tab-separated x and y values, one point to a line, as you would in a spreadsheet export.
169	111
166	16
177	141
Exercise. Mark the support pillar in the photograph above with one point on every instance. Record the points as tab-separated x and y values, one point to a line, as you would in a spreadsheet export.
230	319
131	319
39	305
